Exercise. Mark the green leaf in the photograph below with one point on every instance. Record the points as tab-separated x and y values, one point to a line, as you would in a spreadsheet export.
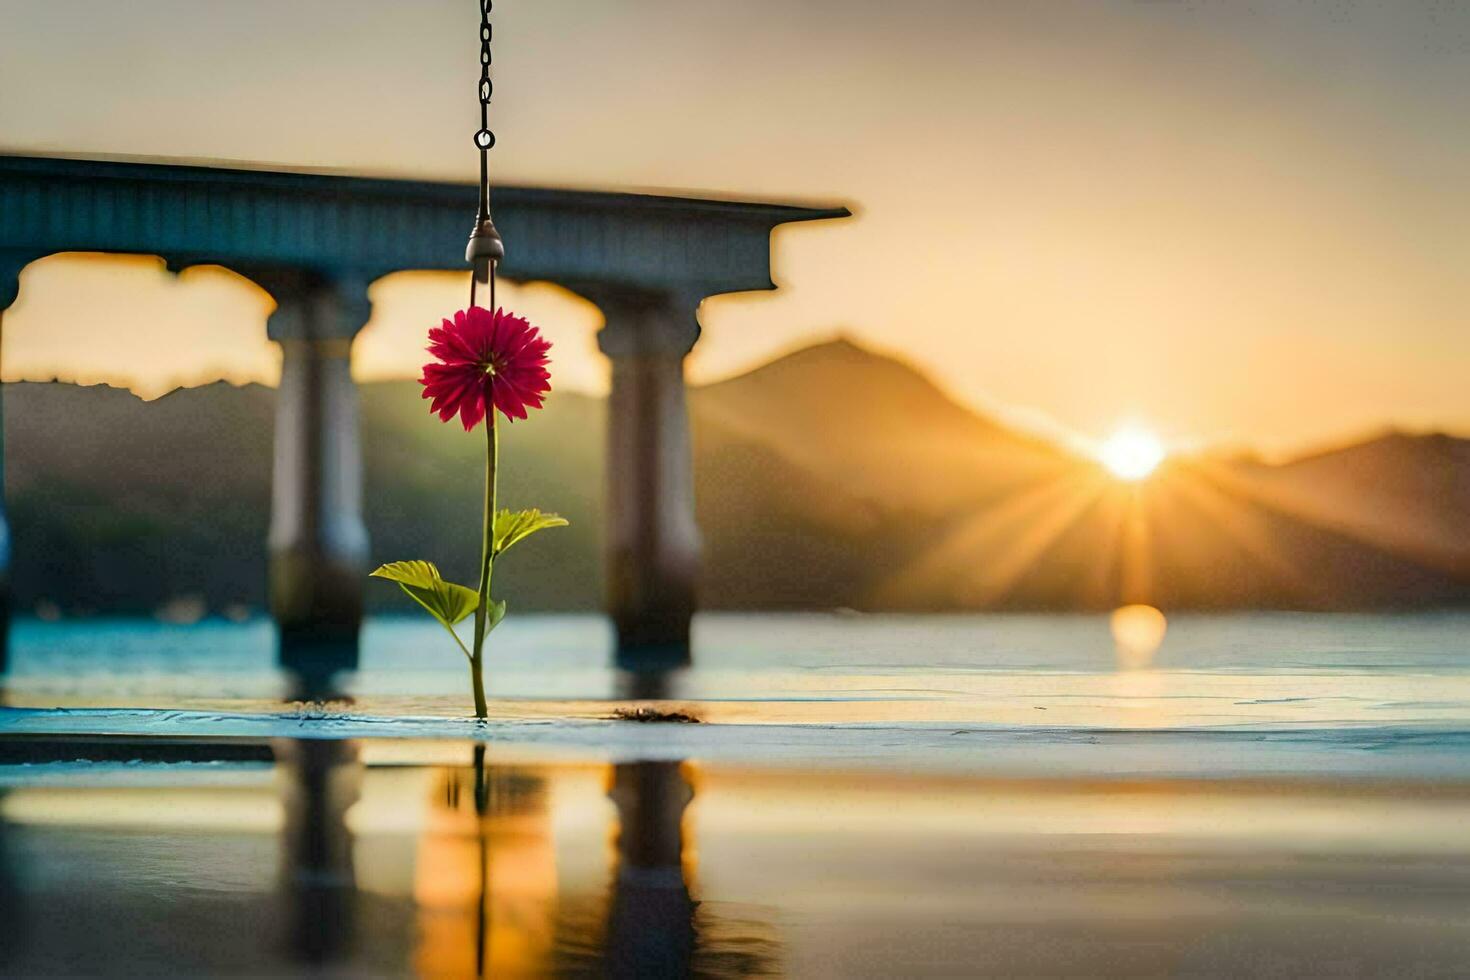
513	525
497	613
445	601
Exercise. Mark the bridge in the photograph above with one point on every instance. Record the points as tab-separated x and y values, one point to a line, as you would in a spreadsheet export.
316	241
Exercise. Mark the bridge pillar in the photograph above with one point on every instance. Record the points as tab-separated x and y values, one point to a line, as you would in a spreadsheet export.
10	267
4	522
652	538
318	541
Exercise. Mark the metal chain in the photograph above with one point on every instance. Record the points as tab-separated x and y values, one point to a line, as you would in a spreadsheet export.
484	140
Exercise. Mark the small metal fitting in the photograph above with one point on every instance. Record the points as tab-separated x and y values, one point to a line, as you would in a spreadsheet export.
484	248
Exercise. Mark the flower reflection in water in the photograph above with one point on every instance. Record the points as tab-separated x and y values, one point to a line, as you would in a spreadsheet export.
492	900
485	877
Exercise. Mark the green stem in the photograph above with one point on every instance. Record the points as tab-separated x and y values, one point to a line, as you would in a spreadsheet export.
487	558
477	682
450	630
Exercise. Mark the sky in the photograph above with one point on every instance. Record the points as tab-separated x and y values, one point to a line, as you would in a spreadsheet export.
1231	223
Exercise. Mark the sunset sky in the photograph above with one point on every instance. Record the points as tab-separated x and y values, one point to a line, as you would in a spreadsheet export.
1229	222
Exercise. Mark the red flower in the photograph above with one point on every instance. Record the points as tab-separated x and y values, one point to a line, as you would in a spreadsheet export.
485	359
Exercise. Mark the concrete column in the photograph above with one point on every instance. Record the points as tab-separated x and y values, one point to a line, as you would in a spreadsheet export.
10	267
4	522
318	542
652	538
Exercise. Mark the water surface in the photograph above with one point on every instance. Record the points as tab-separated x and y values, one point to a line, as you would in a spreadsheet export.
345	858
1323	673
1280	795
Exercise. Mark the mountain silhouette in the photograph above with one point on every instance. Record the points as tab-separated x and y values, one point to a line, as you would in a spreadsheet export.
1408	494
830	477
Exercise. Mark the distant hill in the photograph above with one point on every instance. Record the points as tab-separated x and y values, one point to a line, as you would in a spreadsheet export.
117	503
821	472
863	420
831	477
1407	494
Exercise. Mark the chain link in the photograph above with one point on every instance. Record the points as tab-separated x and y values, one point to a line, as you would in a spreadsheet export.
485	248
484	138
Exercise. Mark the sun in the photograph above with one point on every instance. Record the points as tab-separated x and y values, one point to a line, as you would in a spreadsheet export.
1131	453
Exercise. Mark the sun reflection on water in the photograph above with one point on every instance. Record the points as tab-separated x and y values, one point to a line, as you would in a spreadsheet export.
1138	632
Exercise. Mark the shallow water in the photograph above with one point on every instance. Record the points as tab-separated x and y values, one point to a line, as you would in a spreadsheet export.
569	650
355	859
904	689
867	796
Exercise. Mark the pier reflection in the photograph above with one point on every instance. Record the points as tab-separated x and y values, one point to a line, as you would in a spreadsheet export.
320	780
14	925
650	921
